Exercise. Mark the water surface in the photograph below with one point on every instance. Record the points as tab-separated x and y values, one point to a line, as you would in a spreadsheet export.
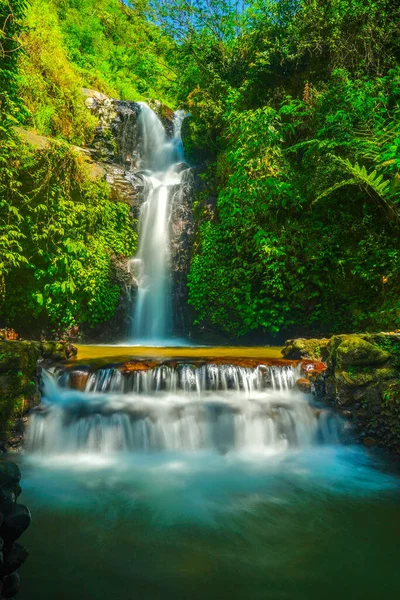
203	482
303	526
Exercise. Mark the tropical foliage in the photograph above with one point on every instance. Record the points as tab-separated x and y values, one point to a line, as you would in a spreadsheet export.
101	44
298	117
59	230
294	129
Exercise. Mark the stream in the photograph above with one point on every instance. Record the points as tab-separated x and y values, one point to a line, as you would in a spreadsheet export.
202	481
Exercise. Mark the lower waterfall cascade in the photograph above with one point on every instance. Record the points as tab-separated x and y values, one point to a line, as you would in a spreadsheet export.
207	478
178	408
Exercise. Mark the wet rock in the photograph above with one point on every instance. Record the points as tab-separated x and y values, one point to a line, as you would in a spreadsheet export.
369	442
14	519
125	134
15	523
57	350
7	502
304	385
164	113
10	475
363	375
78	379
182	237
10	585
14	557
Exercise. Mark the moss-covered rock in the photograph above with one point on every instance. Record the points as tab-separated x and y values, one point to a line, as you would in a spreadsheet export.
313	349
362	380
57	350
19	390
18	381
356	351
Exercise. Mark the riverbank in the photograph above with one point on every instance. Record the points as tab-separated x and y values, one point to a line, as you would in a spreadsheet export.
361	380
19	383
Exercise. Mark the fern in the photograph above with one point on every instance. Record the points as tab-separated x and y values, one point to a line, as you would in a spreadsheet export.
380	190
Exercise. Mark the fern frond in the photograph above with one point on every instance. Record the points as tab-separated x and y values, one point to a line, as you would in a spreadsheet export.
380	190
333	188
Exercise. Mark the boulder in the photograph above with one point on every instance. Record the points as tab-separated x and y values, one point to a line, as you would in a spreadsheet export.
15	523
10	585
304	385
355	351
57	350
15	556
10	475
313	349
78	379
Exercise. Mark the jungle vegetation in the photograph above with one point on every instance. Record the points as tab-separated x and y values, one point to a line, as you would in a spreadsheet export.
294	130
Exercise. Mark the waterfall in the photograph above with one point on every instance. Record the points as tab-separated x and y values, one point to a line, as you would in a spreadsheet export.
178	408
161	167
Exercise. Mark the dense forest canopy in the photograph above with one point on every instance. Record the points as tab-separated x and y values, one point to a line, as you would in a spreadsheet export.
294	130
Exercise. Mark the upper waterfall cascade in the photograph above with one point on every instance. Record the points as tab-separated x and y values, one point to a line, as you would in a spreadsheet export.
162	168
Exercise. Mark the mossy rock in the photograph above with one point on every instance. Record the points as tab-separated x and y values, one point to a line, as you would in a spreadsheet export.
391	393
304	385
361	376
57	350
313	349
18	376
355	351
18	355
353	380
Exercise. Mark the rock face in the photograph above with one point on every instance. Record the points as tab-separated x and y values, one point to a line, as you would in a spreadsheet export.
182	237
19	383
362	380
14	520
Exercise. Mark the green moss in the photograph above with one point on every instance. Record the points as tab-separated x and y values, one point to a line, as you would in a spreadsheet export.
18	382
391	396
351	379
314	349
355	351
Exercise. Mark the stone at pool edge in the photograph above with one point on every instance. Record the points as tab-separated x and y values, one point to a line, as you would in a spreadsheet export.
15	523
57	350
10	476
362	381
356	351
10	585
299	348
14	558
15	518
304	385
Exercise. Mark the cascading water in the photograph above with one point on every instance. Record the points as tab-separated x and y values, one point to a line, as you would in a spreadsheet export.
181	408
161	165
157	476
